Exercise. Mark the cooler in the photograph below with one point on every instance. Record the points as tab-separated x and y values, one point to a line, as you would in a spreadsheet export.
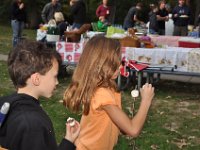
189	42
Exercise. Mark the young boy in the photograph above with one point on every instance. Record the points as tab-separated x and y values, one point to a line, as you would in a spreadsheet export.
33	69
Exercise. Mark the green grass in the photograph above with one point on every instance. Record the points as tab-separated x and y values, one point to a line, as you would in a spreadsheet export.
5	82
173	122
6	38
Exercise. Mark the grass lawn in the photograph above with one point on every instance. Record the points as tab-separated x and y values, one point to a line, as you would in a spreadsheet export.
6	37
173	122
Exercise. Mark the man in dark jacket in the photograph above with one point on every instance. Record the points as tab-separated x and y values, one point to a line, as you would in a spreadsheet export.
49	10
33	68
181	15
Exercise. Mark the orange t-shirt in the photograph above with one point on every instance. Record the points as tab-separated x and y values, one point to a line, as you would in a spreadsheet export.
98	132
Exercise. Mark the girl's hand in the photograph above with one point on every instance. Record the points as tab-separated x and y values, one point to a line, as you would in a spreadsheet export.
147	93
72	132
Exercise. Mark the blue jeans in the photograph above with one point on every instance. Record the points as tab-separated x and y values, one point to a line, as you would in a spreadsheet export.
17	27
152	31
76	25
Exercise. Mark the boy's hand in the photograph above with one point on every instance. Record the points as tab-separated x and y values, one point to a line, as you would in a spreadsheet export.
72	132
102	18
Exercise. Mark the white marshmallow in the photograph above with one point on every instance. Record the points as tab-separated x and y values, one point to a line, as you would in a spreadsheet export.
71	121
134	93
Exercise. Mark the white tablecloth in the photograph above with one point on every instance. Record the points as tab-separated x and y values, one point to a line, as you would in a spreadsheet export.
186	59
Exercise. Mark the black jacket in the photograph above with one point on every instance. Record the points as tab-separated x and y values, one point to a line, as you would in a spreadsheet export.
153	23
78	11
27	126
184	10
17	14
161	23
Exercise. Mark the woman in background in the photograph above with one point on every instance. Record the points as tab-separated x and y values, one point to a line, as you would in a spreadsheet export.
18	19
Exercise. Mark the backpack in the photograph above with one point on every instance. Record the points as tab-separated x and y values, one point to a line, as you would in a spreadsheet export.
6	105
4	111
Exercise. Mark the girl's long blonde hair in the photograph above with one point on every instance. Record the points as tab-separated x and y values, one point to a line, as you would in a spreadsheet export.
100	59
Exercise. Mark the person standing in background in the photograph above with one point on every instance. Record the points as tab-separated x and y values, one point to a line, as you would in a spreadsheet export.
18	19
49	10
199	20
180	15
78	12
162	16
103	11
153	23
61	24
131	17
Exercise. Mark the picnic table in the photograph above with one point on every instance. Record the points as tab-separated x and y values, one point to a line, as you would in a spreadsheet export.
186	60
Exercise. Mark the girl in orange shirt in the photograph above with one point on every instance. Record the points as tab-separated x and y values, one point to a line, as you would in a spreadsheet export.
93	90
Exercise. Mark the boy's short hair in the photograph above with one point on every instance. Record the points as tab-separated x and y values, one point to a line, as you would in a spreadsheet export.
30	57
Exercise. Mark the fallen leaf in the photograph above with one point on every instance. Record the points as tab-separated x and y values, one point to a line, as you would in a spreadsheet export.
154	147
60	101
167	141
180	143
168	97
191	137
162	112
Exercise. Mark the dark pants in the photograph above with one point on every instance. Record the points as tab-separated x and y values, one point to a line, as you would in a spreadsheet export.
76	25
161	31
180	31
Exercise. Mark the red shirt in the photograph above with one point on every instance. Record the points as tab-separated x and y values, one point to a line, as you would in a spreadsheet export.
103	11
